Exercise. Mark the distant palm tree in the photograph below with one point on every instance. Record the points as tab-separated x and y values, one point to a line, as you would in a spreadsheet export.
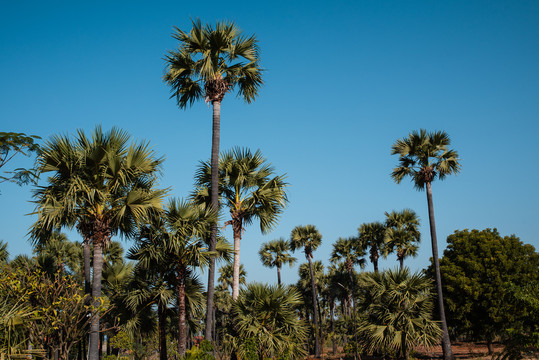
275	254
250	190
424	157
402	234
226	276
308	238
61	251
208	63
4	254
373	237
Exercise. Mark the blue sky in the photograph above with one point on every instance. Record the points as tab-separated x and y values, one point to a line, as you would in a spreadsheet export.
343	81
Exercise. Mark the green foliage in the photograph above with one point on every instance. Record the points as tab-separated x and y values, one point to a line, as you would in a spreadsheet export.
486	278
266	314
12	144
202	351
397	310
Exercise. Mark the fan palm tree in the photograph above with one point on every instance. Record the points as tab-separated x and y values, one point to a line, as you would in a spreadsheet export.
62	251
308	238
180	245
398	307
103	182
424	157
402	234
372	235
4	254
249	189
226	276
267	315
208	63
275	254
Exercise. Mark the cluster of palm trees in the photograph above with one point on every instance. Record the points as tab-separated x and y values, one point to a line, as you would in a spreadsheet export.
103	185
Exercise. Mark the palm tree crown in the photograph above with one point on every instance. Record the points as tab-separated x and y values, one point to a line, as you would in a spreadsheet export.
402	234
209	62
372	235
424	157
275	254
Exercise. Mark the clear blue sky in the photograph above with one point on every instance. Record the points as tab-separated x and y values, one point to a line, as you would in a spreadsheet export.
343	81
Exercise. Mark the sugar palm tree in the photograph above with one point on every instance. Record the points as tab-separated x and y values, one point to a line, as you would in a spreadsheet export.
267	314
373	237
208	63
398	307
308	238
101	181
402	234
274	254
250	190
179	243
226	276
4	254
424	157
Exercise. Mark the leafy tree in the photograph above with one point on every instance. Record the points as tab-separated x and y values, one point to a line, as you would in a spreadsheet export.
481	270
101	182
398	307
275	254
424	157
11	145
208	63
250	190
373	237
267	315
402	234
308	238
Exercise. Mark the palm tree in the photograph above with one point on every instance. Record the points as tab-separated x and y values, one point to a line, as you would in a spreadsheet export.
308	238
226	276
60	250
208	63
180	245
4	254
100	181
250	191
402	234
424	157
267	314
373	237
275	254
398	307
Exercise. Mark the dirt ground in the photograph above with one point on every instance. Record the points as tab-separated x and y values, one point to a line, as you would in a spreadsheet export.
462	350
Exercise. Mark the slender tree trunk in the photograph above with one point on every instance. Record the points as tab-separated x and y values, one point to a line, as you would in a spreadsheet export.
374	258
278	275
93	348
182	338
236	272
315	311
162	332
401	262
332	316
446	342
87	276
214	196
352	286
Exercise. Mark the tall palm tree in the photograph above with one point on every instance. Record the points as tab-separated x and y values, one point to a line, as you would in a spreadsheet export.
402	234
274	254
373	237
424	157
4	254
103	182
208	63
180	245
250	190
308	238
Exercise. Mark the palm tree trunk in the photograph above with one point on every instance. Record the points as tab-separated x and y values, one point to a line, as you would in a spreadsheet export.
374	258
182	338
236	271
214	196
278	275
86	255
332	316
446	342
401	262
93	347
315	311
162	332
